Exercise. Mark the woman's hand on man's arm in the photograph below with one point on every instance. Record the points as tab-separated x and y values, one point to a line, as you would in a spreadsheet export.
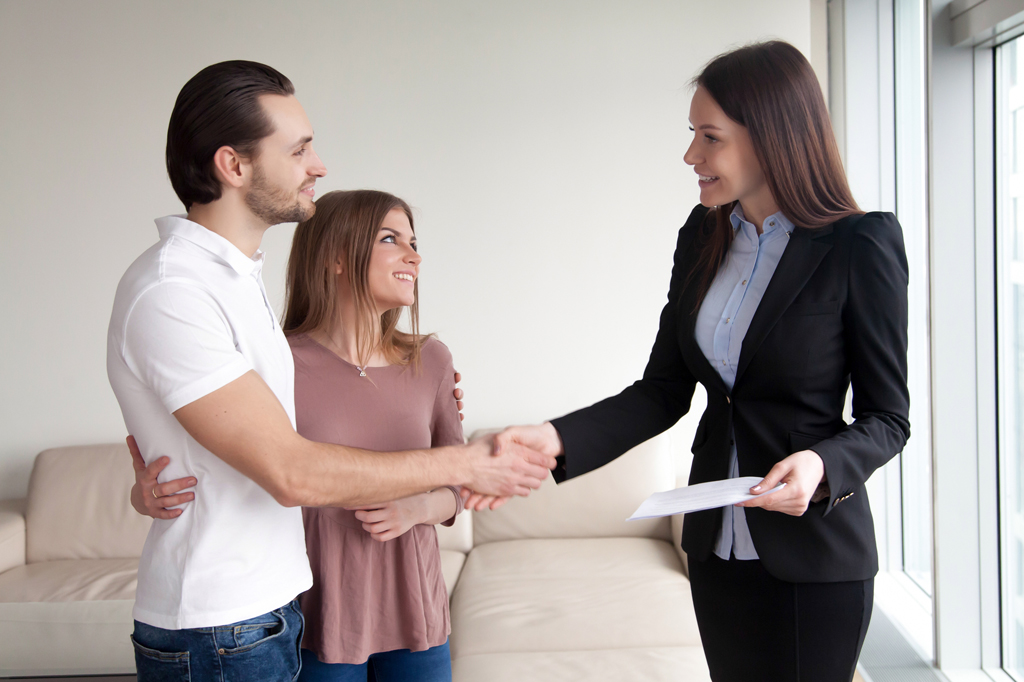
150	497
388	520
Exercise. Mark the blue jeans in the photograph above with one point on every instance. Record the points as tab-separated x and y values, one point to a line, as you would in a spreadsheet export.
262	648
402	665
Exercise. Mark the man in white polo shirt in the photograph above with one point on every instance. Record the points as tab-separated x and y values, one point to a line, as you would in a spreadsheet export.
203	375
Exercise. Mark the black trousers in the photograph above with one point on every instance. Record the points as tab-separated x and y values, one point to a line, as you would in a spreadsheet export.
756	627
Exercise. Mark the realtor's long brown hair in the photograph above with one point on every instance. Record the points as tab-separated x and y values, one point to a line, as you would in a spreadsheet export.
345	228
771	90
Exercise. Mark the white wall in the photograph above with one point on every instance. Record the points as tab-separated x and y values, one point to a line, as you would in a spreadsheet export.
540	142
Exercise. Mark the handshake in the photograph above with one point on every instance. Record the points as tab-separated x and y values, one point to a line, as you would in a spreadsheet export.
491	470
511	462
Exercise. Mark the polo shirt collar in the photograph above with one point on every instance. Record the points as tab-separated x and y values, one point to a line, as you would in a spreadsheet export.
182	227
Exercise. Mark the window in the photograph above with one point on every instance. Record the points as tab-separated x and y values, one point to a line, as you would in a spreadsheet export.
912	211
1009	238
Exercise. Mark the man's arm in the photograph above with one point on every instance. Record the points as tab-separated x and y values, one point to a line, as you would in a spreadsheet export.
244	424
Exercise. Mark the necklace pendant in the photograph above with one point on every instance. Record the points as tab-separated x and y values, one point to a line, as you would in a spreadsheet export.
362	372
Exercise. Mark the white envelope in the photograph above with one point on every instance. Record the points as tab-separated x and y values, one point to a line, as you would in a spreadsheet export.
699	497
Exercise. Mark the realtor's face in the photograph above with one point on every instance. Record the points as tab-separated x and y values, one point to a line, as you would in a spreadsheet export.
286	167
722	154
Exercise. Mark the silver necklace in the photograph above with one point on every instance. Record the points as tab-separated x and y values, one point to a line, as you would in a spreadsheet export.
337	348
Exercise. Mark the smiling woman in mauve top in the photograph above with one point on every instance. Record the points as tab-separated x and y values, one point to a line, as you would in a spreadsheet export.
378	598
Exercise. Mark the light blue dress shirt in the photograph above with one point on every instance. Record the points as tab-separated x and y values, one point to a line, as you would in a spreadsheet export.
722	322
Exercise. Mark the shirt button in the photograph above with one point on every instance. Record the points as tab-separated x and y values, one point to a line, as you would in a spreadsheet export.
771	224
723	362
744	281
728	320
728	400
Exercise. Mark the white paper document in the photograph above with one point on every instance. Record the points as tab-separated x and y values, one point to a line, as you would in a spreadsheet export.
699	497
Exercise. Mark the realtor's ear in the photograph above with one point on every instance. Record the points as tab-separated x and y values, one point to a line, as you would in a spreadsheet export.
230	167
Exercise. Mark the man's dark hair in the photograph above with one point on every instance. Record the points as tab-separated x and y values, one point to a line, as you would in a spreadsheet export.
218	107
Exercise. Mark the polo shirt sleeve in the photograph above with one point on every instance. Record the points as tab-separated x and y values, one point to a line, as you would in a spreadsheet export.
179	343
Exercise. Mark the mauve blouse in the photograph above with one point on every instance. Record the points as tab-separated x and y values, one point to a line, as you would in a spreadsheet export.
371	596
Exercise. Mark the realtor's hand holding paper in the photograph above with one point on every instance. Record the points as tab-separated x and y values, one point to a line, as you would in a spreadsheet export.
700	497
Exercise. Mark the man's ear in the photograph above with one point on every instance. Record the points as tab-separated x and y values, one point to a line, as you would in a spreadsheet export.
230	167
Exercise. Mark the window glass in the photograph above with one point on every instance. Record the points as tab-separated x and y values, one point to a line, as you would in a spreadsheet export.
1010	345
912	211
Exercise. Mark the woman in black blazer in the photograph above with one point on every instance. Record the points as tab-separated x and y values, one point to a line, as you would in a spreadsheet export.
791	597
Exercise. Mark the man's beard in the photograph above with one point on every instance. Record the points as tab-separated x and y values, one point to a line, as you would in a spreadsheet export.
274	205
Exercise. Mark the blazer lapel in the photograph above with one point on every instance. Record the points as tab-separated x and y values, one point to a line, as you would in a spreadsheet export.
692	354
804	252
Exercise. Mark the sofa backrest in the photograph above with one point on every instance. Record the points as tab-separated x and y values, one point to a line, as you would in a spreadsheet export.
596	504
457	537
79	507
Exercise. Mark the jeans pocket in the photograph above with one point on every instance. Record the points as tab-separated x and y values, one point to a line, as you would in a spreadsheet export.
160	666
248	636
251	634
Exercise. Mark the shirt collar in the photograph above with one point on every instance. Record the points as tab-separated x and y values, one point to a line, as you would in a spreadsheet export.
180	226
773	222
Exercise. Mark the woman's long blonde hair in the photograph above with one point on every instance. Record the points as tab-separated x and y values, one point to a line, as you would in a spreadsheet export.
345	228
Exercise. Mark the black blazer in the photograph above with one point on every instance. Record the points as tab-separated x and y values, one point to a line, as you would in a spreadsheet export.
834	312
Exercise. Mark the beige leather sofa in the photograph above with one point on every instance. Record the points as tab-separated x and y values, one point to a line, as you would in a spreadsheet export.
553	587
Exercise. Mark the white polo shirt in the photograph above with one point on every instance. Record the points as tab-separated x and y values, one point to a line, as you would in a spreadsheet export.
190	316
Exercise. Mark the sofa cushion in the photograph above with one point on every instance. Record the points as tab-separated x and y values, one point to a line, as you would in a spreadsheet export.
66	638
457	537
571	595
682	664
451	567
12	533
594	505
70	580
79	507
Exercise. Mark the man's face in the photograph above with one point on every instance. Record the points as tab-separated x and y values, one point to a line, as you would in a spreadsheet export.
286	167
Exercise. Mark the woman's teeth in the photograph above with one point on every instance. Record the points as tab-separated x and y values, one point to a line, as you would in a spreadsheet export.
707	178
402	275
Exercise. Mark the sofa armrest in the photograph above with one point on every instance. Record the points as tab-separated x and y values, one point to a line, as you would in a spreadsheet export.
677	542
12	534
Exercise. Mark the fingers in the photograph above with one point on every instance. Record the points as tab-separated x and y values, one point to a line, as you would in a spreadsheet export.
458	378
373	516
458	394
539	458
507	443
534	475
473	501
171	487
150	473
174	501
774	477
166	513
386	535
498	502
137	461
480	502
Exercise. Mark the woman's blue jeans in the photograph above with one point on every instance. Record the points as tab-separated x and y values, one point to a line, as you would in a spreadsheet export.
432	665
262	648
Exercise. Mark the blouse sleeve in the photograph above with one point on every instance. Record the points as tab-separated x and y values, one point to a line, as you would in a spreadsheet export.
445	425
